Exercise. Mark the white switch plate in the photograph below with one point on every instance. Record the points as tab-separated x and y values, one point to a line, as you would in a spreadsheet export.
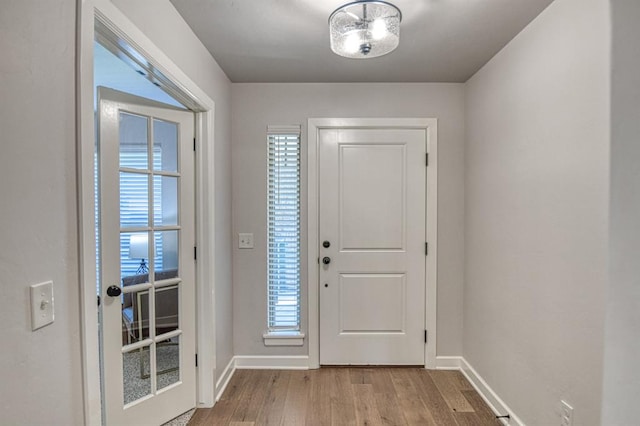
41	304
245	241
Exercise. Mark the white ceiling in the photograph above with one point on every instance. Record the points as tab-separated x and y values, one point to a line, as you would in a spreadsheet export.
288	40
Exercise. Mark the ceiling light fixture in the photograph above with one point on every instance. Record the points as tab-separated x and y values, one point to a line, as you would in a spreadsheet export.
365	29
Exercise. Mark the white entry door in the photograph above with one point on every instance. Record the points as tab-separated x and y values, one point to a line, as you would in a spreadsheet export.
372	246
147	236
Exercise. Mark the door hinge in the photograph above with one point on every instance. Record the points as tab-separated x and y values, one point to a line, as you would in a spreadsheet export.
425	336
196	360
426	249
426	159
194	144
195	253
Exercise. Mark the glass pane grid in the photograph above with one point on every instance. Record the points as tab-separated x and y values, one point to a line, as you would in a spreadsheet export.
134	205
149	182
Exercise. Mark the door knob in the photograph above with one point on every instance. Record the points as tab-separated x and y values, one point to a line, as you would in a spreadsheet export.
114	291
326	244
326	260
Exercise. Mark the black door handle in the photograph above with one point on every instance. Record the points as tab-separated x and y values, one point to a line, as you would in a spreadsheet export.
326	244
326	260
114	291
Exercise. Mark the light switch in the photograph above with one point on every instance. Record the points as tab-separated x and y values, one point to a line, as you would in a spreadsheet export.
41	304
245	241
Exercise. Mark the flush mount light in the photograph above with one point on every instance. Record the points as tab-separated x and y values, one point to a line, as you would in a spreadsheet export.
365	29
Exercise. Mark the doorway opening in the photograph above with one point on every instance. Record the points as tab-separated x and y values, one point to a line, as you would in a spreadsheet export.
145	228
110	57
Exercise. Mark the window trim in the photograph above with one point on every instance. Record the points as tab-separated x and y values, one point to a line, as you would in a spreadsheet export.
285	337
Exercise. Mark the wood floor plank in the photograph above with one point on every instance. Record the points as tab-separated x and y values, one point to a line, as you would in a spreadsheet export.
433	399
381	381
345	397
386	398
243	396
389	409
295	406
220	414
450	391
199	417
484	413
227	404
319	411
360	376
366	408
467	419
272	411
236	385
343	408
459	381
254	396
413	408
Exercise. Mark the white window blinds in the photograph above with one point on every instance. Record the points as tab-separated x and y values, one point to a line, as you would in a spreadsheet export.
131	192
134	204
284	228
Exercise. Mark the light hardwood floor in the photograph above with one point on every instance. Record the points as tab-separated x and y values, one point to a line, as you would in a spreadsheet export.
348	396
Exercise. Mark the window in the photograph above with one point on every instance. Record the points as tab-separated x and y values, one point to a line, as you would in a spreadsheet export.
283	232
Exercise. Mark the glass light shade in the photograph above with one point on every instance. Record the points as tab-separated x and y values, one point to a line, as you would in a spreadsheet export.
365	29
139	246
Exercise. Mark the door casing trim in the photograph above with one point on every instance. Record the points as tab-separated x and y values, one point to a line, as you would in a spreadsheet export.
87	12
430	126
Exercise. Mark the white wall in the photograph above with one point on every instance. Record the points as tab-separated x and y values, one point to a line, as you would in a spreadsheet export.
254	106
165	27
621	370
39	371
536	211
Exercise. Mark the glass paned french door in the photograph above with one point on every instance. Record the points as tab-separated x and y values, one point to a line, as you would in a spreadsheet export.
147	266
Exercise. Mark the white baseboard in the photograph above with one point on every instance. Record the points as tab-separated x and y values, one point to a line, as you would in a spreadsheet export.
272	362
225	377
492	399
448	362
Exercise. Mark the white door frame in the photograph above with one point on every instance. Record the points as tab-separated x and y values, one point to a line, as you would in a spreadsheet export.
88	11
431	130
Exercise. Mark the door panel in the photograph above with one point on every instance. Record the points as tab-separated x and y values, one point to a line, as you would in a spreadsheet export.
147	235
372	211
363	314
363	188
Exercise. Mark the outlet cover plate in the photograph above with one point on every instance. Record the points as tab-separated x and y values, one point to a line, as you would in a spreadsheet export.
245	240
41	304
